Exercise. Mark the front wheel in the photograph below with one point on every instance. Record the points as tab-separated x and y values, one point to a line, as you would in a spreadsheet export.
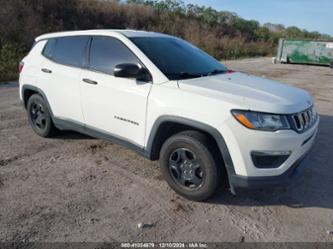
40	117
331	64
188	165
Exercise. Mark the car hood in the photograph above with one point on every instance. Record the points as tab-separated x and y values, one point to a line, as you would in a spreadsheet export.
250	92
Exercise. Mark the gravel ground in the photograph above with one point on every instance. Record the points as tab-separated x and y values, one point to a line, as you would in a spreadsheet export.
77	188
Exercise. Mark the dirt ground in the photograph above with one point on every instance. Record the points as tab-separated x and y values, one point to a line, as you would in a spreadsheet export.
77	188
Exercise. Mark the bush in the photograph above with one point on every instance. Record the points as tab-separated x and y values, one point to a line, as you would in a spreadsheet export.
10	56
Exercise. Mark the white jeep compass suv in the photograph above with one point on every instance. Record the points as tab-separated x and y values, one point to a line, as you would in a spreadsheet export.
168	100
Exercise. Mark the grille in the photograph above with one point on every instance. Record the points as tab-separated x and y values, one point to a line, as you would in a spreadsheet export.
304	120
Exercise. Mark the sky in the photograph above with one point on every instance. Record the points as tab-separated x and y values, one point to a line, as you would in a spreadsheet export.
313	15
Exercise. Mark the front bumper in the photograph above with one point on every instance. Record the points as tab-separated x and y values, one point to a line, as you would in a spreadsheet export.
241	141
241	182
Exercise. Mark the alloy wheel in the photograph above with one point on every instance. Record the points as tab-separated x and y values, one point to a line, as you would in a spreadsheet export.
185	168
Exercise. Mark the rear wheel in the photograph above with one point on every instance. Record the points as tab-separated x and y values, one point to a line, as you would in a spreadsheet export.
331	64
188	165
40	117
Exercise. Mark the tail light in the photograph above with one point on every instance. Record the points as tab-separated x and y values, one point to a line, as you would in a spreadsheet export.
20	66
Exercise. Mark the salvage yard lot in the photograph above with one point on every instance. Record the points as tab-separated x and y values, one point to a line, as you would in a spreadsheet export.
76	188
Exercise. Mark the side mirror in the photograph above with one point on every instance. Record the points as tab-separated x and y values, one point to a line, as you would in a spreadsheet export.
128	70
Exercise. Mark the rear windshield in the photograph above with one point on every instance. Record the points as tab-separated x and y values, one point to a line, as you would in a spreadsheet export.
178	59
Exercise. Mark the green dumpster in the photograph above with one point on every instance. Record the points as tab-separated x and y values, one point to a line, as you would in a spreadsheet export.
305	52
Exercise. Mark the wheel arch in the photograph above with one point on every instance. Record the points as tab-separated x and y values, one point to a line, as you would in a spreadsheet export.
160	132
28	91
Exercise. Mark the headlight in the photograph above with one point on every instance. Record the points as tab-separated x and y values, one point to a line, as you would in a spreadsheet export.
261	121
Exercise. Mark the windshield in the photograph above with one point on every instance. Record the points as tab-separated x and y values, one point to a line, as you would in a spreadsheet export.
178	59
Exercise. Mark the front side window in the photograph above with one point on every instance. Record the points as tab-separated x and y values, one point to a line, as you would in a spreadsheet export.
70	50
107	52
178	59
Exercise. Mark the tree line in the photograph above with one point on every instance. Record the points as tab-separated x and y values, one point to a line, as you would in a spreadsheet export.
222	34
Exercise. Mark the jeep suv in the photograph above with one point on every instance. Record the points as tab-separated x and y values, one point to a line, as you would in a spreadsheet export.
169	101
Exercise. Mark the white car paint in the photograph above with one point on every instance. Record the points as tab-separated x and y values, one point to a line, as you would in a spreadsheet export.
255	93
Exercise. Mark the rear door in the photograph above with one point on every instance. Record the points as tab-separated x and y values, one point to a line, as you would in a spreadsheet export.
60	75
112	105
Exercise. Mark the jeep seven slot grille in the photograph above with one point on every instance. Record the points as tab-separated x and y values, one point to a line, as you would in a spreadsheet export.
304	120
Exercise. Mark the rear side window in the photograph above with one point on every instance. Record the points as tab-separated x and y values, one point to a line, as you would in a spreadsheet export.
49	48
107	52
69	50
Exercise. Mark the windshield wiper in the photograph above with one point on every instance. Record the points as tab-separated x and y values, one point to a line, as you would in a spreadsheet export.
185	75
191	75
217	71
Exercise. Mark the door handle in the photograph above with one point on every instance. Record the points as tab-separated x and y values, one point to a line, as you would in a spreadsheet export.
45	70
92	82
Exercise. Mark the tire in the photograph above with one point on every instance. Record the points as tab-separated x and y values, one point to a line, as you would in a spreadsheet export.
180	156
331	64
39	116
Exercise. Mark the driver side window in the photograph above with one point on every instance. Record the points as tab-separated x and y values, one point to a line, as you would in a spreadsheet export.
107	52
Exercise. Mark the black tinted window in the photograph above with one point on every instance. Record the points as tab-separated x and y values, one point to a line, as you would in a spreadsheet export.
49	48
178	59
70	50
107	52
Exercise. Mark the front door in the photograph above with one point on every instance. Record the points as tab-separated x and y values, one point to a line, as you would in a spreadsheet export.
112	105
